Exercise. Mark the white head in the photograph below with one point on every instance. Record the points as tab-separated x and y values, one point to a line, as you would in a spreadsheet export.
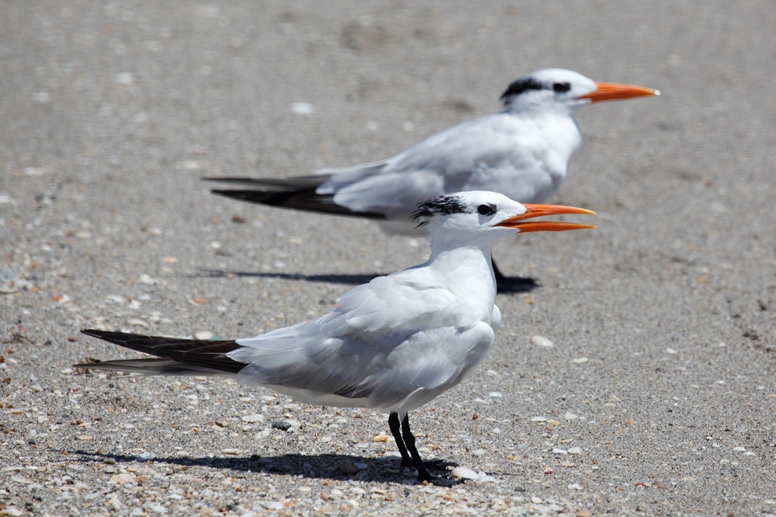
560	89
482	218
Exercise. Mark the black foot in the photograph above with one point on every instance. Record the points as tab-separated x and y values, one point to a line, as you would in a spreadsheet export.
424	475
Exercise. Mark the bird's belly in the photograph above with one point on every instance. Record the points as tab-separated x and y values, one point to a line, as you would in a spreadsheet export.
467	355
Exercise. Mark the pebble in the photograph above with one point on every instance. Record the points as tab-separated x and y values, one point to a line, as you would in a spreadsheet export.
539	419
570	416
203	335
189	165
465	473
542	341
36	171
285	425
495	394
575	450
124	78
252	419
122	479
580	360
671	351
137	322
302	108
347	467
146	279
41	97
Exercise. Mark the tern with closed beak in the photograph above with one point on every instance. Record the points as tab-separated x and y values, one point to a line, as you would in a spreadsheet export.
522	152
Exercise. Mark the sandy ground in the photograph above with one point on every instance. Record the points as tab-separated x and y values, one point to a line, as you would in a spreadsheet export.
658	395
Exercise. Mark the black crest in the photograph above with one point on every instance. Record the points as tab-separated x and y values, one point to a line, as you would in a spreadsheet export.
440	205
522	85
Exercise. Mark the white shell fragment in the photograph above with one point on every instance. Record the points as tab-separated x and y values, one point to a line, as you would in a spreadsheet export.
542	341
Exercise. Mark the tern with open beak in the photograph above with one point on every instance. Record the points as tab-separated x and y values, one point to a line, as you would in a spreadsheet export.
392	344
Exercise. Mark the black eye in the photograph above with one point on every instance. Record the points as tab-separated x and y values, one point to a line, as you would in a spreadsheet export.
561	87
486	209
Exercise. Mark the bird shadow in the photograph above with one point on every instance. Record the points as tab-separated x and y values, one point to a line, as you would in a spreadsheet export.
507	285
332	278
320	466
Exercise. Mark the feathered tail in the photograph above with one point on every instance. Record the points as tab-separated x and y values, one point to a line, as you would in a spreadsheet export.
175	356
299	193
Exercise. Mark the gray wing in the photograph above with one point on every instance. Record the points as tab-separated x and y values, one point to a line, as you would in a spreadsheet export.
386	341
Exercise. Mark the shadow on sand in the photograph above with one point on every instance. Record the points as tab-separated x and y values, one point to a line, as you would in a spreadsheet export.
333	278
506	286
318	466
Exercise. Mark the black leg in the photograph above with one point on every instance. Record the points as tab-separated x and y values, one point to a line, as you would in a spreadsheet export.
514	284
393	424
409	440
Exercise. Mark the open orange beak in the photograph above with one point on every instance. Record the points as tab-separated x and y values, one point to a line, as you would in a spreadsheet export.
614	91
518	221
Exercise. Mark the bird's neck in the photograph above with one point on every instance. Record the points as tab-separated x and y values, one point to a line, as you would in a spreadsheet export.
525	109
467	270
555	137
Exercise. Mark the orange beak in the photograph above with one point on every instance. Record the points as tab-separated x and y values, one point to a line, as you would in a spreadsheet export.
518	223
614	91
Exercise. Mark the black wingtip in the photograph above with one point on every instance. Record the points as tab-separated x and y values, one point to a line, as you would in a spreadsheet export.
93	332
236	179
110	335
240	194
